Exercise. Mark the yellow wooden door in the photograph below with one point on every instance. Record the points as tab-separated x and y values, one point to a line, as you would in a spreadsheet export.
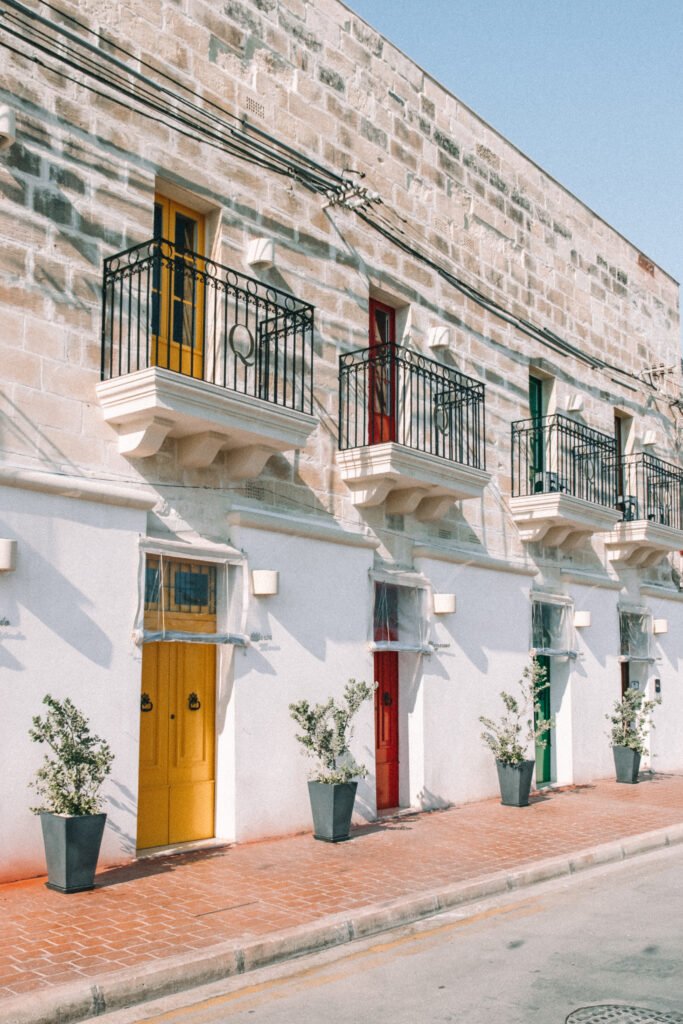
177	744
177	705
178	289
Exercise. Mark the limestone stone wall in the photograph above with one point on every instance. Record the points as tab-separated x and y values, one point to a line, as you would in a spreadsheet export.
458	201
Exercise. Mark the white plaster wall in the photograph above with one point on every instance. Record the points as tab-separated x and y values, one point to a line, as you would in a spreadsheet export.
412	739
319	626
595	682
71	606
489	639
225	823
666	742
562	704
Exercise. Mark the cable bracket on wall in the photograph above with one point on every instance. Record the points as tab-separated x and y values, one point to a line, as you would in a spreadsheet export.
352	195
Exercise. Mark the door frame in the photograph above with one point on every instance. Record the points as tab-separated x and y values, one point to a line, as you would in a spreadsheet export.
202	621
387	779
544	770
183	356
382	382
386	630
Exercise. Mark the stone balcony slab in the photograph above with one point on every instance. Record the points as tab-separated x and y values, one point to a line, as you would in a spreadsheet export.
409	481
560	520
150	405
642	543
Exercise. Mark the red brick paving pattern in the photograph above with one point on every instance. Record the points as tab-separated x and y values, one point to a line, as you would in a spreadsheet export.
170	905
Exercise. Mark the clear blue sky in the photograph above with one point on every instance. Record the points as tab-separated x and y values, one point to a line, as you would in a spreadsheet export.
592	90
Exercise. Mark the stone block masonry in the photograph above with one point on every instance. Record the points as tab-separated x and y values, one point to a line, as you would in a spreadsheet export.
255	115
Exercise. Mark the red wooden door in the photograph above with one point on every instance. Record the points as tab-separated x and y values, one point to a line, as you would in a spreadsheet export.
386	696
382	374
386	728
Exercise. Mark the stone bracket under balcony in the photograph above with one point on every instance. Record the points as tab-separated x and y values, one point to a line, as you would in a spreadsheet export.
560	520
642	543
409	481
150	405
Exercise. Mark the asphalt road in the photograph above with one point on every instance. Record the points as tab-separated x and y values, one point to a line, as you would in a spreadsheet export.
611	937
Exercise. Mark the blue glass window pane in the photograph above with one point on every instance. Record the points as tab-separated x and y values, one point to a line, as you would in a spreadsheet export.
151	585
191	588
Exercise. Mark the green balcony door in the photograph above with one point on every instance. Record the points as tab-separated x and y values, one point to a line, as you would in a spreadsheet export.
543	753
537	452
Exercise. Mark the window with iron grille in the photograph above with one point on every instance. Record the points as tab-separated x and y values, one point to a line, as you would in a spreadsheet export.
177	587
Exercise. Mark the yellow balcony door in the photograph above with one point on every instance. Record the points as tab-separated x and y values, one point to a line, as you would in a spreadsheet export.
178	290
177	709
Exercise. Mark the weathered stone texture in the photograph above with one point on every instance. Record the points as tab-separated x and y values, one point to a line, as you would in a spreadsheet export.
78	185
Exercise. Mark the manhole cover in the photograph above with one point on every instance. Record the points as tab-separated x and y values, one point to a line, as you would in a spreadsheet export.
608	1012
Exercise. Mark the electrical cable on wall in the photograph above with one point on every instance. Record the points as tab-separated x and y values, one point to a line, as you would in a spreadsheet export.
190	117
31	29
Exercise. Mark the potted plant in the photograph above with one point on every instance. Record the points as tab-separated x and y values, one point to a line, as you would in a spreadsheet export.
68	783
631	721
326	732
509	738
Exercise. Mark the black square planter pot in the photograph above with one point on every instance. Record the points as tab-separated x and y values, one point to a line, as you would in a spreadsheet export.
515	782
332	807
626	763
72	846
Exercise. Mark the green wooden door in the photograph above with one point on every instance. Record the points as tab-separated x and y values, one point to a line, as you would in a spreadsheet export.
543	753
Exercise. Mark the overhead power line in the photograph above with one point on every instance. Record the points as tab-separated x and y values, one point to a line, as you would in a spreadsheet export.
165	99
220	127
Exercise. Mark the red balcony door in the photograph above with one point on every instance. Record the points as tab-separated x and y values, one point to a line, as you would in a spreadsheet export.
382	374
386	697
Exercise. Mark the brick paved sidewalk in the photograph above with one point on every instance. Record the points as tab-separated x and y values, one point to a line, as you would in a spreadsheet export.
167	906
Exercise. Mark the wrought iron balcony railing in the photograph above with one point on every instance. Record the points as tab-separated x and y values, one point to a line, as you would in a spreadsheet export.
555	454
168	307
649	489
389	393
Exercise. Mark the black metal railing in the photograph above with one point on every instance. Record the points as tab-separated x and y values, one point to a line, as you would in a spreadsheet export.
389	393
649	489
555	454
166	306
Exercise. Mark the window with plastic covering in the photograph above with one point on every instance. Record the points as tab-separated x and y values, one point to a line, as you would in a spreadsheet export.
400	619
181	602
552	631
635	635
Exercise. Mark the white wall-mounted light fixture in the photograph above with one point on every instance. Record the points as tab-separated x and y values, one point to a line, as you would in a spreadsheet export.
439	337
8	555
444	604
261	253
574	402
649	438
265	582
582	619
8	129
660	625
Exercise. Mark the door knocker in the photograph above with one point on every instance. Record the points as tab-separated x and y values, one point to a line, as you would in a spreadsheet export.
386	699
193	702
145	703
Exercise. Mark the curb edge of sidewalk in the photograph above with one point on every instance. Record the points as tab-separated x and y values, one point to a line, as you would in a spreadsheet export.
77	1001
